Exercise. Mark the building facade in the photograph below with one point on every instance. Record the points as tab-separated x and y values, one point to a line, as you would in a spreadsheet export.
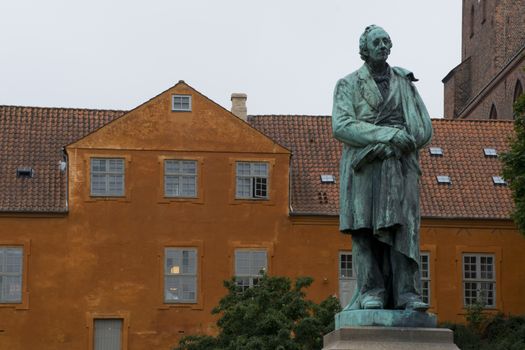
117	229
490	76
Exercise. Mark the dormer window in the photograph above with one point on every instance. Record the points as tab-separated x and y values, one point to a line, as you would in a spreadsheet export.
181	103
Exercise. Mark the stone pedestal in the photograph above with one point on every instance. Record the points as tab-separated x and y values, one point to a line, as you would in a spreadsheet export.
385	318
390	338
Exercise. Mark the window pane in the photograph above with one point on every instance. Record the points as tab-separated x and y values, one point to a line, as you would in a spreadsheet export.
180	280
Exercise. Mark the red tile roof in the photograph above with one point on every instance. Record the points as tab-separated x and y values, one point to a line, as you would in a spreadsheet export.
471	194
33	137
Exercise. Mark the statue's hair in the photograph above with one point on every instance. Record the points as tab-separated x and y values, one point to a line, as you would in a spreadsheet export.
364	39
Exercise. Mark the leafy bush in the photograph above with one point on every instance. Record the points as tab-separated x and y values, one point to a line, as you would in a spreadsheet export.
274	315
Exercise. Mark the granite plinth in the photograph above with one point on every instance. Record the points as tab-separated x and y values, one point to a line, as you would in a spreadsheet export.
385	318
390	338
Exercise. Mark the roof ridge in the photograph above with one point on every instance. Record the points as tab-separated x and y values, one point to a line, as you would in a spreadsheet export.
66	108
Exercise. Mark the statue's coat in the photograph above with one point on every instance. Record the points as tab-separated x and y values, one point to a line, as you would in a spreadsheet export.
380	194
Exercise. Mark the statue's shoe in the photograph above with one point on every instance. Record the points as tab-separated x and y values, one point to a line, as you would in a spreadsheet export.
372	304
416	305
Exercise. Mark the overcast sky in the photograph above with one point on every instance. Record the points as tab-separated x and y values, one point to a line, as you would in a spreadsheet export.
285	54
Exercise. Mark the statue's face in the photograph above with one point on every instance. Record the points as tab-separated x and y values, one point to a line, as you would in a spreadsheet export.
378	46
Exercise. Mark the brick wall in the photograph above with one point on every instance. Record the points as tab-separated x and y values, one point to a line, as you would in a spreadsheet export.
492	34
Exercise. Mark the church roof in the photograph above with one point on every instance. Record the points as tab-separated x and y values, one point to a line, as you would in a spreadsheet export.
471	192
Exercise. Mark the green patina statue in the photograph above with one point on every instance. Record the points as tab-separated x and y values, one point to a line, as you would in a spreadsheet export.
382	122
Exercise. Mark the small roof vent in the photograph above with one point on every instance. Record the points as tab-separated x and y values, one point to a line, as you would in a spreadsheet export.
490	152
25	172
436	151
443	179
327	178
498	180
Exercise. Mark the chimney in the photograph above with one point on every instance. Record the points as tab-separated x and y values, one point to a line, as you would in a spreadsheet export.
239	105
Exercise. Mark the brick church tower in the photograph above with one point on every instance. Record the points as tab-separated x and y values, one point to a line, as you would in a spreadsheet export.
491	74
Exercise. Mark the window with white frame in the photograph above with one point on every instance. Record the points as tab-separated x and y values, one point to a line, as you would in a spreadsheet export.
107	177
347	278
479	279
180	178
181	103
180	275
424	259
252	180
11	269
249	266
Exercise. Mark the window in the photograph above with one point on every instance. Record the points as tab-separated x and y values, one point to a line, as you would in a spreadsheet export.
498	180
180	178
181	103
347	278
518	91
424	259
252	180
107	176
327	178
107	334
479	279
443	179
435	151
472	21
11	261
490	152
493	112
249	265
180	275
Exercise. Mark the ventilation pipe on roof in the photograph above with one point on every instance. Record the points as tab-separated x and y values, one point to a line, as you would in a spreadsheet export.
239	105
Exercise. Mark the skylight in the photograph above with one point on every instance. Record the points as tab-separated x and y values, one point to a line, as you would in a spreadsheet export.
490	152
24	172
498	180
443	179
327	178
435	151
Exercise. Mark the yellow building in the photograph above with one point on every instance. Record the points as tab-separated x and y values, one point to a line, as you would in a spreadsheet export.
117	228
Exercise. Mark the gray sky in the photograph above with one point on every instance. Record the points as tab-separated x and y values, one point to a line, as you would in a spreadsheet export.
285	54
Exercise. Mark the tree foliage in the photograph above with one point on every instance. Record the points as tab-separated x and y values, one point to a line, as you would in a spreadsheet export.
514	165
271	316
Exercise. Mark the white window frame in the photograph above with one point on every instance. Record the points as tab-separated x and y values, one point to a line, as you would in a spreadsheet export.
258	183
185	275
248	276
347	277
13	289
426	278
182	177
480	282
179	101
107	176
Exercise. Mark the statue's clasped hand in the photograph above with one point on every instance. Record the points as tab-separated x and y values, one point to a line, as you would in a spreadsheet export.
404	141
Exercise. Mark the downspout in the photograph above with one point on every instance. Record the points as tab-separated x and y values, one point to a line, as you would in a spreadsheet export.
66	169
290	184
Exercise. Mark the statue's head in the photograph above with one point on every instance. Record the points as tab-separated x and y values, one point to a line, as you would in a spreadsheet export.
374	44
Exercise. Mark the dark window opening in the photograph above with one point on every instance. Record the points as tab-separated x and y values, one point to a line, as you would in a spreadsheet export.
493	112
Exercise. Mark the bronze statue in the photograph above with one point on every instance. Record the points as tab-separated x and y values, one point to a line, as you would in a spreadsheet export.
382	122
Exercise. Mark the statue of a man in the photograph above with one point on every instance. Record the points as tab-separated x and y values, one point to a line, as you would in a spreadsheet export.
382	122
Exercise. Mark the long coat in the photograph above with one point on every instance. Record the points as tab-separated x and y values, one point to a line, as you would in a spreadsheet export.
380	195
